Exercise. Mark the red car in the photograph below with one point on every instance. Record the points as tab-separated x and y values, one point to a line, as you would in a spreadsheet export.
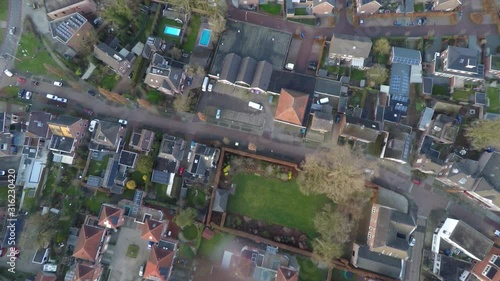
88	111
21	80
416	181
181	171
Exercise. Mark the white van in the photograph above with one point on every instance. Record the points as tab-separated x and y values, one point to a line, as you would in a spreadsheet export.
205	84
289	66
8	73
323	101
255	105
57	83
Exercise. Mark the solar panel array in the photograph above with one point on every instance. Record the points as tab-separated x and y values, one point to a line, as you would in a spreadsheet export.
67	27
405	60
480	69
137	202
402	99
400	107
407	147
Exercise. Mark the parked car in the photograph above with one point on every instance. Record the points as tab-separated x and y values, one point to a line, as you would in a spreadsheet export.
21	80
181	171
416	181
52	97
189	80
92	125
34	83
88	111
150	244
497	233
8	73
21	93
62	100
28	95
123	122
12	30
141	271
412	241
210	87
90	92
58	83
217	114
312	65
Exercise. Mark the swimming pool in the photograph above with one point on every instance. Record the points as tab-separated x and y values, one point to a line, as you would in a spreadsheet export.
205	37
172	31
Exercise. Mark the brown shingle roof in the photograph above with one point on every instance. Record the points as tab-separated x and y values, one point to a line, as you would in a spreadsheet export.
159	264
292	107
87	272
43	276
287	274
111	217
153	230
88	242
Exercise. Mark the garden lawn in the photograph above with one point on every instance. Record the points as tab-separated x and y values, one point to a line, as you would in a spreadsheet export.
309	271
97	168
93	203
109	81
35	57
462	95
213	249
301	12
132	251
4	9
271	8
275	201
194	28
493	94
419	7
357	74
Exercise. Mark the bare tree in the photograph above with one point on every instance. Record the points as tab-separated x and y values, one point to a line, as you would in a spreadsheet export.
185	217
381	46
176	53
377	74
332	225
182	102
41	231
217	23
326	251
484	133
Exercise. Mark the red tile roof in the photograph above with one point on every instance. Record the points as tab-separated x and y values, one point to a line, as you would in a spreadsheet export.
292	107
87	272
153	230
287	274
159	264
43	276
479	267
111	217
88	242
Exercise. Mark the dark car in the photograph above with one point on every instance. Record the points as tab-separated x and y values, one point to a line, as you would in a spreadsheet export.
90	92
88	111
312	65
21	93
189	80
34	83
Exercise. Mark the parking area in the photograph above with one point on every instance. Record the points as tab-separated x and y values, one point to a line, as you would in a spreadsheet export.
315	56
122	267
293	51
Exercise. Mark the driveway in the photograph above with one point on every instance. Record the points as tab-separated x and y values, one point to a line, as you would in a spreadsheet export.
122	267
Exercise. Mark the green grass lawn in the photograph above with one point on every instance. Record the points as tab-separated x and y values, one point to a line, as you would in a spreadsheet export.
381	58
164	22
185	252
462	95
4	191
132	251
97	168
35	57
29	203
137	177
4	9
190	232
309	271
275	201
10	91
108	82
419	7
272	8
301	12
357	74
194	28
196	198
493	94
155	96
93	203
341	275
213	249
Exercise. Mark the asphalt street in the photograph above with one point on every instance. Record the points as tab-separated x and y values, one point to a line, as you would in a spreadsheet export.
9	44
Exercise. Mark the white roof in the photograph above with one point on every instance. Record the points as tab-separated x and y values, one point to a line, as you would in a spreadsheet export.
359	62
384	89
416	74
36	172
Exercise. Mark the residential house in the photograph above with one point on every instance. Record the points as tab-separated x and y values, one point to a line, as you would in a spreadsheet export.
322	7
432	155
287	274
220	200
6	146
350	48
172	148
111	216
398	144
138	211
486	189
293	107
37	125
250	3
91	243
67	133
322	122
120	62
171	153
153	230
165	75
446	5
328	87
390	232
463	237
159	264
368	7
127	159
378	263
58	9
489	268
85	271
142	140
3	123
153	45
202	160
45	276
492	66
450	267
359	129
459	63
443	129
246	72
106	136
71	30
461	173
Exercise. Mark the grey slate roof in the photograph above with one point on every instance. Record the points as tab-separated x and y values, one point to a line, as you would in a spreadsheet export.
471	240
293	81
230	67
127	158
491	171
262	75
327	87
398	146
355	46
322	122
38	123
246	71
160	177
406	56
379	263
220	200
463	59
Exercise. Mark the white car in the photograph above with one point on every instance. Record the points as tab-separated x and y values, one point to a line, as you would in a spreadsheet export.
28	95
61	100
217	114
412	241
210	87
123	122
58	83
52	97
141	271
12	31
8	73
92	125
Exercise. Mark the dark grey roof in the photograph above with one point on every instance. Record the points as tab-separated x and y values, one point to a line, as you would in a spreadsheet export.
266	44
350	45
400	79
363	2
471	240
491	171
342	107
262	76
38	123
220	200
94	181
246	71
106	133
39	255
172	148
451	269
481	98
363	122
406	56
322	121
290	9
113	172
230	67
409	6
292	81
398	146
393	232
160	177
379	263
428	84
327	87
113	59
127	158
463	59
61	143
2	121
165	165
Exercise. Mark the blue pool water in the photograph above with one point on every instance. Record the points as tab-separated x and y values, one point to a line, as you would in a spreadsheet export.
173	31
205	37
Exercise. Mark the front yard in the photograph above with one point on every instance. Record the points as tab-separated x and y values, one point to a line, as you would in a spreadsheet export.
493	94
97	168
275	201
272	8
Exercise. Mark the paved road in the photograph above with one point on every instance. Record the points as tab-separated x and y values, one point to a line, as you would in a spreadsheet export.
9	44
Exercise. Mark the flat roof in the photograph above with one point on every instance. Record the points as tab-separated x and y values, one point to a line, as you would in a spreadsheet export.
266	44
36	172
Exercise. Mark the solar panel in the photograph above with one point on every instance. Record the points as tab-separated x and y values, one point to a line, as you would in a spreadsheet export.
137	202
